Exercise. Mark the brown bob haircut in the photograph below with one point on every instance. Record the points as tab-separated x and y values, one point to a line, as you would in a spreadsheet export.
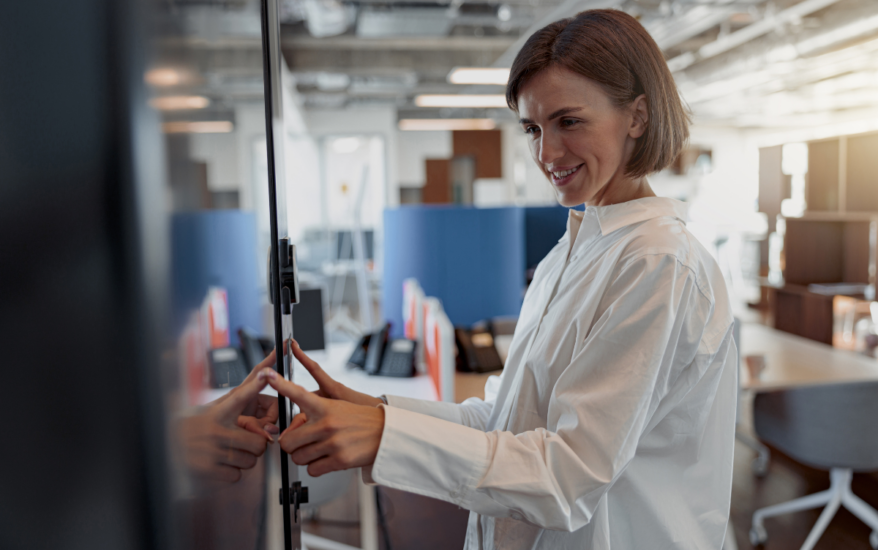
611	48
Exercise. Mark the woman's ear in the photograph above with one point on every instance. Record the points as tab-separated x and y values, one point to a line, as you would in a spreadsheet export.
640	116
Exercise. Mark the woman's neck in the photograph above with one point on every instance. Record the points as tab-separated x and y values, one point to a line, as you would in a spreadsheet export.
623	190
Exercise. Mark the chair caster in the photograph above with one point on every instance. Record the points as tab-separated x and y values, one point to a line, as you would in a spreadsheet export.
758	535
760	465
873	540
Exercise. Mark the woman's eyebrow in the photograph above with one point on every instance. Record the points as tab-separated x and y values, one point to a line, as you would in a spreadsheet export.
564	111
556	114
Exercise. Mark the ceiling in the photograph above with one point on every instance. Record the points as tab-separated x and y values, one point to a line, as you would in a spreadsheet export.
745	63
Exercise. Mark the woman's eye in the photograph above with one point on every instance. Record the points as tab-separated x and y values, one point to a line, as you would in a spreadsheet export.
569	122
531	130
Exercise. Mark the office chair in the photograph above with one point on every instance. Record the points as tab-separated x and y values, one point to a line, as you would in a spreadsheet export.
830	427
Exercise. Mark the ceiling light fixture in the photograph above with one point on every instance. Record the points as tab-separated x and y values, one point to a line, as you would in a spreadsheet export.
483	101
179	102
504	13
346	145
439	124
198	127
163	77
478	75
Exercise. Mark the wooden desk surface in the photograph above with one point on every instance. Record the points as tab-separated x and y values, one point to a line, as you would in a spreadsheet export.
792	361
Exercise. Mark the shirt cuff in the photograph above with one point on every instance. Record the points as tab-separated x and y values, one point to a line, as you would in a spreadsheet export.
436	409
428	456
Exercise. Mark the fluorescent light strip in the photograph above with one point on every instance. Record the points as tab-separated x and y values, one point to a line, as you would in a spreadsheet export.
478	75
179	102
438	124
163	77
484	101
199	127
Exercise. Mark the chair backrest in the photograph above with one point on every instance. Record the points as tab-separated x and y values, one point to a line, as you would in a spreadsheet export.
827	426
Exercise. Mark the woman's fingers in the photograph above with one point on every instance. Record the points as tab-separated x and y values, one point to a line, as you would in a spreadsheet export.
255	425
306	434
323	380
270	429
240	398
268	362
307	454
228	474
309	403
244	440
297	421
238	459
323	466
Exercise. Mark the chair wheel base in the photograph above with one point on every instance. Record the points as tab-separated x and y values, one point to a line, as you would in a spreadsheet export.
873	540
758	536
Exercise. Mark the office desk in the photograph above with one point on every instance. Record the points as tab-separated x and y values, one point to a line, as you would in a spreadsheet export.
334	362
792	361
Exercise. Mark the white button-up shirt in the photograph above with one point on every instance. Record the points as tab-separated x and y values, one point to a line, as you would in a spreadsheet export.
612	424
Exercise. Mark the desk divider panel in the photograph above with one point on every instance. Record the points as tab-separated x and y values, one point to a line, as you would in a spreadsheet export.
472	259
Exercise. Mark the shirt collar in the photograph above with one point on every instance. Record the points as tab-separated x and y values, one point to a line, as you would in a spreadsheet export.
616	216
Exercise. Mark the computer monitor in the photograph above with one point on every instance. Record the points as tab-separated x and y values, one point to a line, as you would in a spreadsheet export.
308	320
344	244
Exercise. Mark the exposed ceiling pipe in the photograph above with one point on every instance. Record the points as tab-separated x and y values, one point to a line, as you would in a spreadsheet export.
748	33
675	30
567	9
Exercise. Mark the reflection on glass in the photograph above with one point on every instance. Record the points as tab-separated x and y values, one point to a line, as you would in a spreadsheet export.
206	83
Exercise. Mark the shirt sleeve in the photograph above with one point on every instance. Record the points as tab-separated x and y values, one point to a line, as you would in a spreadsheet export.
648	329
473	412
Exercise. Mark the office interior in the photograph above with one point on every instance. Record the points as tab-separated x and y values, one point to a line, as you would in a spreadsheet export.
135	199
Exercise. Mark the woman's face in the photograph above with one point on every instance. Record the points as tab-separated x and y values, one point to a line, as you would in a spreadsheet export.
579	138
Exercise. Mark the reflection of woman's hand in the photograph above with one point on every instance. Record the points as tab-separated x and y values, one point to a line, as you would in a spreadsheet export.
260	414
214	447
330	388
328	435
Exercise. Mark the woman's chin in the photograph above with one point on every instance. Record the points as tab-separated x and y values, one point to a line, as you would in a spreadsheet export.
567	199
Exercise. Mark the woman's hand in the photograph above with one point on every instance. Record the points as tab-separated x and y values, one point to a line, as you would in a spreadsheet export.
260	414
213	445
330	388
329	434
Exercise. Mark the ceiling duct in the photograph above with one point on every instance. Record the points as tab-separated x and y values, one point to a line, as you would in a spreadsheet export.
420	22
327	17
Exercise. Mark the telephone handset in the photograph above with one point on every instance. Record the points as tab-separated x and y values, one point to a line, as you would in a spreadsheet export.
377	355
476	351
375	351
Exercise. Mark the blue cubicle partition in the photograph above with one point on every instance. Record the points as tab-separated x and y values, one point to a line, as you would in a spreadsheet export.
216	248
472	259
544	225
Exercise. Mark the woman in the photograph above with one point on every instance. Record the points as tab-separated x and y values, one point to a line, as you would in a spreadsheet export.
612	424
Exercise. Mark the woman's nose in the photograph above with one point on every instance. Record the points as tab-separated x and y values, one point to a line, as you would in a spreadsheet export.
551	148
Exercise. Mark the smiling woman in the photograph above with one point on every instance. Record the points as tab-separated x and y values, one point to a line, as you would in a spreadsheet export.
612	423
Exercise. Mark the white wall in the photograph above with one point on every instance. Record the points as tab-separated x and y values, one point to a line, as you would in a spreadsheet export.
379	120
414	149
727	195
219	151
530	186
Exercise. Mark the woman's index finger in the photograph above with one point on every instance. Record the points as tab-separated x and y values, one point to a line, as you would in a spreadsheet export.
307	401
312	366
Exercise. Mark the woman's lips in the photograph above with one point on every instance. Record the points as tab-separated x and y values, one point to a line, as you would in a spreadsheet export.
565	179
